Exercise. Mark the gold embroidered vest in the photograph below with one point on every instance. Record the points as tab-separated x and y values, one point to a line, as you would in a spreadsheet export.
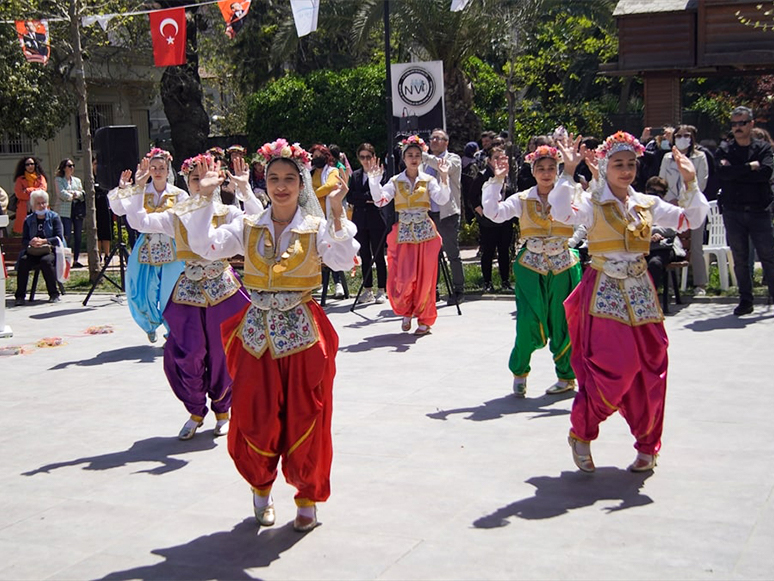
535	223
611	231
184	251
296	269
405	199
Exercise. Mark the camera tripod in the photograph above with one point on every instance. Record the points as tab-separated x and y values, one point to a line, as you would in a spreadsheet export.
123	259
443	268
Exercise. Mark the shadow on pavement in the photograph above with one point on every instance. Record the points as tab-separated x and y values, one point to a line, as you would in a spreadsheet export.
503	406
160	450
223	555
60	313
730	321
142	353
398	341
558	495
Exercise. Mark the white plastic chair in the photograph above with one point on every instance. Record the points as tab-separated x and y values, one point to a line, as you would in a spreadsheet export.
718	246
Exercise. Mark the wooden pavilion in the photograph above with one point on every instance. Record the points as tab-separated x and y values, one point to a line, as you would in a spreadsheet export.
662	41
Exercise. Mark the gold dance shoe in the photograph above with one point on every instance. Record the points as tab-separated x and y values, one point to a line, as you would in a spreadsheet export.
304	524
643	462
561	386
583	461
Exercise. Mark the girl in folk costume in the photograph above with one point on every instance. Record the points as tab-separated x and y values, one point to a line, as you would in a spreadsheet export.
545	270
413	243
280	350
206	294
619	346
153	267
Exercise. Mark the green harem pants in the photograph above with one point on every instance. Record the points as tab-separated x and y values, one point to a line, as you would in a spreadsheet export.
540	317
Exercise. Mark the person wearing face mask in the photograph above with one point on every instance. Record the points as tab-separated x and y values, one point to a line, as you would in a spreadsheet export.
619	344
656	148
685	142
42	231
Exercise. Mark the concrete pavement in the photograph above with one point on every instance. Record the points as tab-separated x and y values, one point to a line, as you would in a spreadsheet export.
439	473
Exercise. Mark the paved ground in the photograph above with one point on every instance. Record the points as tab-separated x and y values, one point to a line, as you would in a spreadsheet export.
438	472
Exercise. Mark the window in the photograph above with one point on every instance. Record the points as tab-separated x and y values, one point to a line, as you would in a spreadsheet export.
15	144
100	115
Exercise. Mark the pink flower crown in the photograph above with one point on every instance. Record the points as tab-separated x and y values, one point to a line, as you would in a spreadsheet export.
620	141
190	163
541	152
158	152
281	148
413	140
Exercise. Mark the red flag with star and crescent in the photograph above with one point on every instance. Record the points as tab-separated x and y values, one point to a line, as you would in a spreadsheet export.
169	37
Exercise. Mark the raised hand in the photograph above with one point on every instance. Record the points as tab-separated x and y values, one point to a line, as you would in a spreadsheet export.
211	179
590	157
336	197
143	171
684	164
126	179
241	177
571	154
501	168
375	169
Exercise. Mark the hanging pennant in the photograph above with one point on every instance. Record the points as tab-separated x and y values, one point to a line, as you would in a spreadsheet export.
103	20
458	5
234	14
33	36
169	36
305	15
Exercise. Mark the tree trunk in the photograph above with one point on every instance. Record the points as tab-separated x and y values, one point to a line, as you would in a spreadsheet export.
181	93
90	220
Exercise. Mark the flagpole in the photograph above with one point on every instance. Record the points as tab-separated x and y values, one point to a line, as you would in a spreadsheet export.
390	159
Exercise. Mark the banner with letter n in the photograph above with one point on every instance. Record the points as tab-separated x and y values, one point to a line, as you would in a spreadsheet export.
417	98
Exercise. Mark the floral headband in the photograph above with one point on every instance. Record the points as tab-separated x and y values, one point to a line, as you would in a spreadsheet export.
541	152
216	152
415	141
620	141
281	148
158	152
190	163
236	149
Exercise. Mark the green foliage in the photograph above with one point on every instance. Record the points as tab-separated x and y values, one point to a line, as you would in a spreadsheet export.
469	234
343	107
489	98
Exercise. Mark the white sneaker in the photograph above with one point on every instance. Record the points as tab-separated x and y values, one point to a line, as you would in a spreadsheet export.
367	296
339	291
381	296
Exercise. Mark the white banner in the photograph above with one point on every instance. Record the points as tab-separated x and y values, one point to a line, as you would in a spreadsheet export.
458	5
416	87
305	15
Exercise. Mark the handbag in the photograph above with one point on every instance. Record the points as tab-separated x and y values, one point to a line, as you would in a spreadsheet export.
79	209
39	250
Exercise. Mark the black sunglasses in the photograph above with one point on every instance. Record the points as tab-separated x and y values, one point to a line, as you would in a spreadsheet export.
29	163
69	165
739	123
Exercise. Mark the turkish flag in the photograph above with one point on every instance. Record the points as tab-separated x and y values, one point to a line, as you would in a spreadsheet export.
169	37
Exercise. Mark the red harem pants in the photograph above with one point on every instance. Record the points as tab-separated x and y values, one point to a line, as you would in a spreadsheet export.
412	270
619	368
281	408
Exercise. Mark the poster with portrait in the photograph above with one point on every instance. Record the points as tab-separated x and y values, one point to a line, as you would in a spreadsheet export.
234	13
33	37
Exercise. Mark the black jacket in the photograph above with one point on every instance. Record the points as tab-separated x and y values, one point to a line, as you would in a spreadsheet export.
365	214
743	188
476	194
